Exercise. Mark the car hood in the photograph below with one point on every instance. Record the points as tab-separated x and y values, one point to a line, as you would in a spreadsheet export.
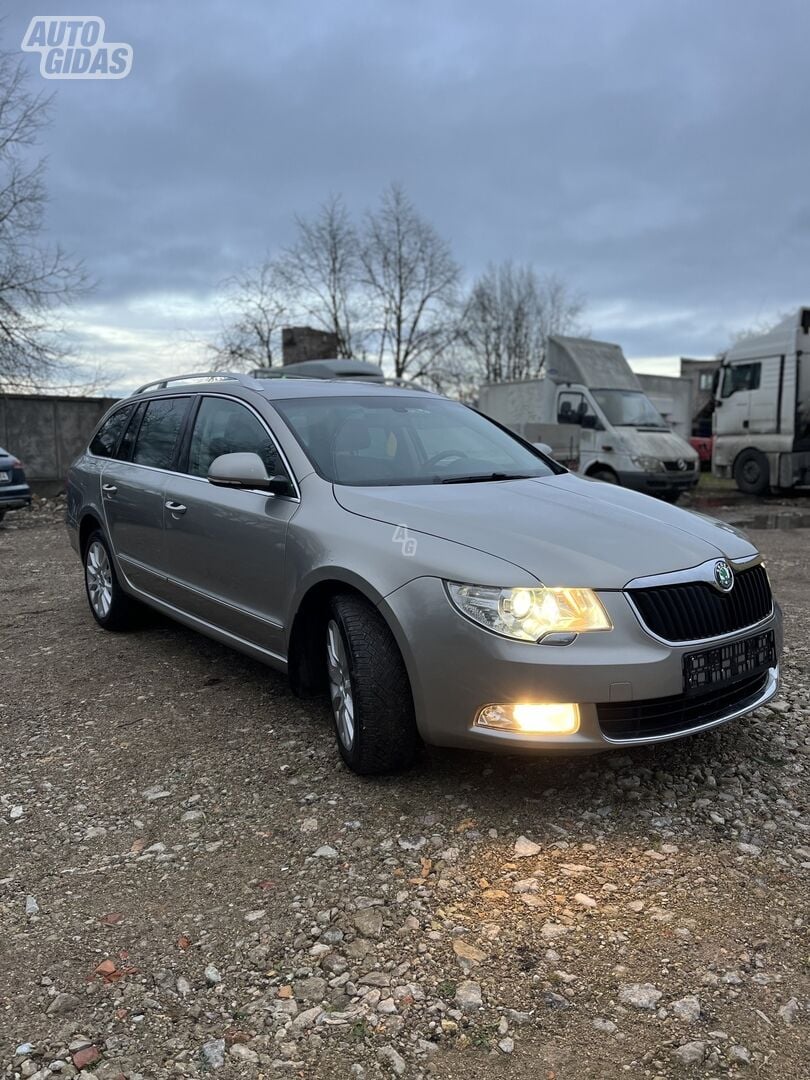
562	529
664	445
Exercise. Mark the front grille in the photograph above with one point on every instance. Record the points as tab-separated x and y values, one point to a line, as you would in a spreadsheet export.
625	720
673	466
696	610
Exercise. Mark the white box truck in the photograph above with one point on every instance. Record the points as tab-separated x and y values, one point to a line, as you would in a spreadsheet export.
762	409
589	407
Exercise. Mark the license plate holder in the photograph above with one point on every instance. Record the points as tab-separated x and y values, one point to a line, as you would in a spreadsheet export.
727	663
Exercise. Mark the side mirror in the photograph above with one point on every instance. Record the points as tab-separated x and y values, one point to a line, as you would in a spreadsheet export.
246	471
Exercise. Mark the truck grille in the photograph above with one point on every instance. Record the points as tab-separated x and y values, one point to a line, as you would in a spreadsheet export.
696	610
627	720
677	466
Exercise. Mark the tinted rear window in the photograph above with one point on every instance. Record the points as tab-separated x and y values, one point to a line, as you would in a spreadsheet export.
105	441
159	432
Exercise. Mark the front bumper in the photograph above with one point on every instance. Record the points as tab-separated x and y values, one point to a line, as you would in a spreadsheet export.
660	483
457	667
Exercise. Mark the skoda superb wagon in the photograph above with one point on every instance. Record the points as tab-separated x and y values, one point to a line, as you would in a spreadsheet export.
441	579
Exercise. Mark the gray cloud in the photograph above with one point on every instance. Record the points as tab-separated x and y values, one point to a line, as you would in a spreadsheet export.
652	153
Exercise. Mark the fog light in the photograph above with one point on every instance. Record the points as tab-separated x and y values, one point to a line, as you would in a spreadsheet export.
552	718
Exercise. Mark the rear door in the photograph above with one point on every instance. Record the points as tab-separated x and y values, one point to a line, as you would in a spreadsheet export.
225	546
132	490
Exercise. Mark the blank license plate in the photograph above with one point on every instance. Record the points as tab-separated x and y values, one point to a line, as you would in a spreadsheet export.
725	663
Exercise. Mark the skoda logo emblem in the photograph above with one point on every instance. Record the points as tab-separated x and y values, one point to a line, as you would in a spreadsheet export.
681	464
723	576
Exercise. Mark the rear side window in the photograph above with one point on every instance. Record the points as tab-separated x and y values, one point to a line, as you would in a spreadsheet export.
106	439
159	432
226	427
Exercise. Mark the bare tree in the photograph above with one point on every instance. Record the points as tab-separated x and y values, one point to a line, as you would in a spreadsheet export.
249	336
411	282
320	272
508	318
34	280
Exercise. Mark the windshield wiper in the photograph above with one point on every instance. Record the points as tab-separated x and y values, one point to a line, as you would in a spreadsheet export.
481	478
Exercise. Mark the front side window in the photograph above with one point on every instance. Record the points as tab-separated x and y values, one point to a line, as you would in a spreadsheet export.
397	440
741	377
572	408
159	432
106	439
226	427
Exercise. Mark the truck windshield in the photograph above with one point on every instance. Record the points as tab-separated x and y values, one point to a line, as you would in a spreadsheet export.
403	439
628	408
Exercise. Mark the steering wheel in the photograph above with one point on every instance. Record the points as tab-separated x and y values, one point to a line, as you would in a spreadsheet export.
450	455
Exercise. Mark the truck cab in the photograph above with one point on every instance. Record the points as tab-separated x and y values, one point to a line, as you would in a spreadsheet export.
624	440
762	409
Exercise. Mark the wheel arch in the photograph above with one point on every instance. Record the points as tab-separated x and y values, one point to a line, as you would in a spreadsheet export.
305	656
88	524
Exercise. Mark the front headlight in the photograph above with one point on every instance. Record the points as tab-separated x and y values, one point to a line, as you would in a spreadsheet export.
649	464
530	614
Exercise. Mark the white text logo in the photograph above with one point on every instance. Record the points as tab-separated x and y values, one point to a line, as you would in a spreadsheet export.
73	47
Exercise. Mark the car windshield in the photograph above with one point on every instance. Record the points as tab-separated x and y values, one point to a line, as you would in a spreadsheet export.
393	440
628	408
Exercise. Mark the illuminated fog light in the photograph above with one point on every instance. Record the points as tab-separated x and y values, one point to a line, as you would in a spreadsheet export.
552	718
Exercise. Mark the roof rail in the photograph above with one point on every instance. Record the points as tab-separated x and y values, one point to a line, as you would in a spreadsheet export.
197	376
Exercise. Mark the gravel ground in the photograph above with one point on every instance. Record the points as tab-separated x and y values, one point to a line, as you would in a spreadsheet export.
190	883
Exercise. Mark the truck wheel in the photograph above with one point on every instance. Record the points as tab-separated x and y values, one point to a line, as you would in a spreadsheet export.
607	476
371	697
752	473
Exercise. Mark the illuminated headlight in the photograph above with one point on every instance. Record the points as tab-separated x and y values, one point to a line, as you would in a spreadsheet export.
649	464
530	614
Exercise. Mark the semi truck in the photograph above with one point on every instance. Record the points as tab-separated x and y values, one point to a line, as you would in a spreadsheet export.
590	409
761	419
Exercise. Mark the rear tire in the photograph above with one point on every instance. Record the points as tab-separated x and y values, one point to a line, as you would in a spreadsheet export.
752	474
110	606
372	704
2	514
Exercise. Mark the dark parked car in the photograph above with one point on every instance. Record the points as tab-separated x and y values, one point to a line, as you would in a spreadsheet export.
14	491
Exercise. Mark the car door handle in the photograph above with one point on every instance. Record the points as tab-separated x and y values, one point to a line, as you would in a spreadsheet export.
175	507
109	489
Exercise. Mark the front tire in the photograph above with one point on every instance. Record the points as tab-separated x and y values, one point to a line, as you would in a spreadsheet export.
372	704
752	474
110	606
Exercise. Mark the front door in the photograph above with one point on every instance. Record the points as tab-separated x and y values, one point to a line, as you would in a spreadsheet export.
225	546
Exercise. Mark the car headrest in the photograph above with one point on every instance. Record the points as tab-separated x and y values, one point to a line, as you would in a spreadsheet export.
354	435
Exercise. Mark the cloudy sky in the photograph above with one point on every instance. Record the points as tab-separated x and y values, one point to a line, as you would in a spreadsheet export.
655	154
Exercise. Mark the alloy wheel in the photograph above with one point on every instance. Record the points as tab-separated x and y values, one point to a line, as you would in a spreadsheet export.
98	573
340	686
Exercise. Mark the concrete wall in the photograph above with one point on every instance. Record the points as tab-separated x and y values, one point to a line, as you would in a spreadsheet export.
47	433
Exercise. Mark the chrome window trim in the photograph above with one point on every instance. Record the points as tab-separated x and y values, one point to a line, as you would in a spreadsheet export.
702	574
202	479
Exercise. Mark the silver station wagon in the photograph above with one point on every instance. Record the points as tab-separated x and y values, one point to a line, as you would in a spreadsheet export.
441	579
